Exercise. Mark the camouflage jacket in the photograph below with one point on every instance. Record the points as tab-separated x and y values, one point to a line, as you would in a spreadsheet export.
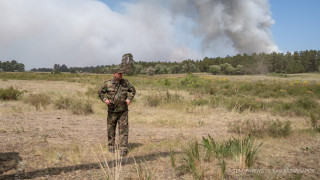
125	91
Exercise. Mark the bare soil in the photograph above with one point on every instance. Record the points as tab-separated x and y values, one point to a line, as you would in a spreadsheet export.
56	144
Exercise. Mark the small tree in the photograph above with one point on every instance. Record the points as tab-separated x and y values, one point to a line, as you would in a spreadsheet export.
150	71
127	63
230	70
214	69
240	69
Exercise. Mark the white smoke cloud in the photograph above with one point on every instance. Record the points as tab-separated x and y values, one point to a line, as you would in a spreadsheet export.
40	33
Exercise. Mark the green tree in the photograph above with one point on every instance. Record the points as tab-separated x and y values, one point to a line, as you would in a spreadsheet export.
151	71
127	63
240	69
214	69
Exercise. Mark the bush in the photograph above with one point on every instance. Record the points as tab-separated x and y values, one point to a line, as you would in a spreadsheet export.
200	102
81	107
153	100
259	128
300	107
244	103
38	100
306	103
10	93
214	69
76	106
192	81
63	103
279	129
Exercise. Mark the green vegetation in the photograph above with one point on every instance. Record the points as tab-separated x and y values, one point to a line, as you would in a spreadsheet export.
280	96
75	105
193	162
243	150
11	66
10	93
260	128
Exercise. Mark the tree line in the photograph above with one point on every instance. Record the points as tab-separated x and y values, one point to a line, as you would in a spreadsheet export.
287	63
261	63
11	66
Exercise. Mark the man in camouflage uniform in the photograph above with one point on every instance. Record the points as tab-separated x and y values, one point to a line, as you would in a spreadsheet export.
117	93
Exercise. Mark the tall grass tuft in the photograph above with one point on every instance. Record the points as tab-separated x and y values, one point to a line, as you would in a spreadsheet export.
10	93
38	100
143	172
193	160
109	174
244	150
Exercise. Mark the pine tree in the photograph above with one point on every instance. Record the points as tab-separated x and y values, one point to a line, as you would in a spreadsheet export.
127	63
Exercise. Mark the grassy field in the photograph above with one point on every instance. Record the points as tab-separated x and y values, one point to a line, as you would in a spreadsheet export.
184	126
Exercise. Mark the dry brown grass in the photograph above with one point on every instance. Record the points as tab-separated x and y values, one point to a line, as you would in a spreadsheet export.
57	138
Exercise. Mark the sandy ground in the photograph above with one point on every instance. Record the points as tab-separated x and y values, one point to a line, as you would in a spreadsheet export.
56	144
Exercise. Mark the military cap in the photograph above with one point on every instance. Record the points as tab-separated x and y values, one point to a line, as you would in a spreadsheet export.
118	70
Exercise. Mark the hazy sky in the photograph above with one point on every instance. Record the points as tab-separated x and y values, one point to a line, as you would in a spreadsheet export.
40	33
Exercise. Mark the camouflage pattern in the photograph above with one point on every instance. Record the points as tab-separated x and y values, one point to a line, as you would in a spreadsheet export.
120	118
125	91
117	93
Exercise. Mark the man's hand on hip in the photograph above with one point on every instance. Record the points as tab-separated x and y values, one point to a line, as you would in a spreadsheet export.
128	102
107	101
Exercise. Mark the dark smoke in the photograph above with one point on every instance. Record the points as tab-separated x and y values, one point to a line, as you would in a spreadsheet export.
242	24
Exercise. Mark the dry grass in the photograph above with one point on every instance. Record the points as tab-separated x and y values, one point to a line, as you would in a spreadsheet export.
57	138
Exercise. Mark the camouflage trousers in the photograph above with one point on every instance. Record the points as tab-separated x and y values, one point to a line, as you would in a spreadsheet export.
119	119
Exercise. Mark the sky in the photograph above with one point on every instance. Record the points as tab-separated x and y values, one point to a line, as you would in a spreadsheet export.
77	33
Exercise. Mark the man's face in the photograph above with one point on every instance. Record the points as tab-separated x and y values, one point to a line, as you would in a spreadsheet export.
117	76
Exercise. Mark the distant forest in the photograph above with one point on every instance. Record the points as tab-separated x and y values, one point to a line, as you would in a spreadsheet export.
287	63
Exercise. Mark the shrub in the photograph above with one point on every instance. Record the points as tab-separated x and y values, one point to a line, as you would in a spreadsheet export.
10	93
214	69
38	100
278	128
306	103
244	103
76	106
81	107
63	103
300	107
153	100
249	127
192	81
200	102
259	128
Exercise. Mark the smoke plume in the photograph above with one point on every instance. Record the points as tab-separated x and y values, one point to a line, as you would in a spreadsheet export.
88	32
243	25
